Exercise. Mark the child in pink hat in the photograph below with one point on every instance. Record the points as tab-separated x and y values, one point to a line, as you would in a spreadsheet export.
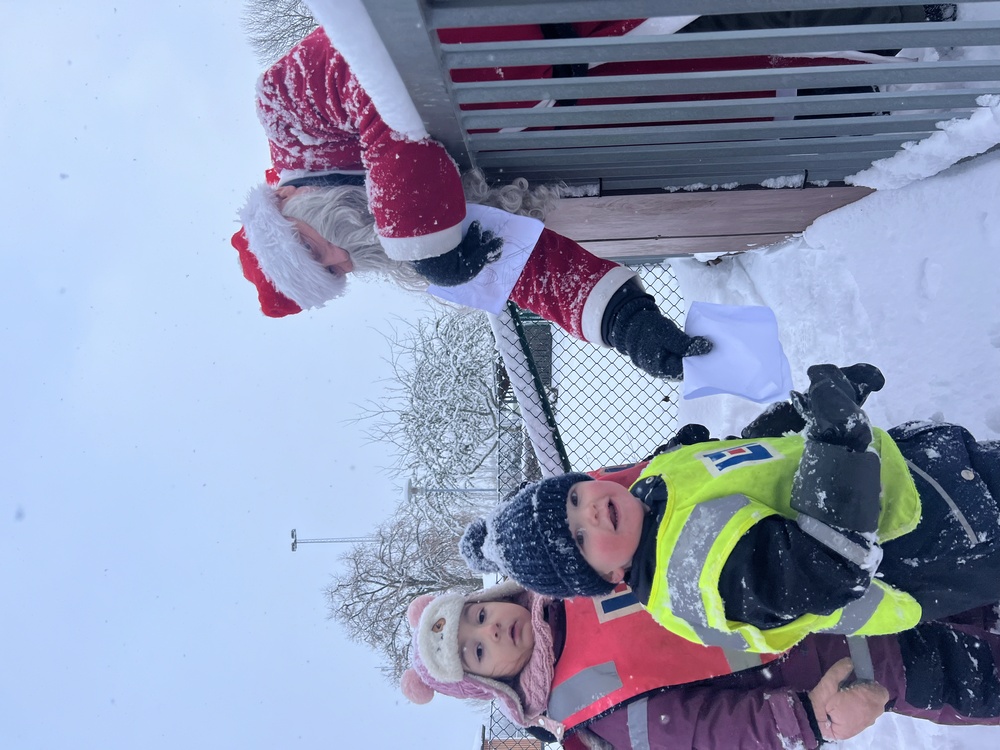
450	641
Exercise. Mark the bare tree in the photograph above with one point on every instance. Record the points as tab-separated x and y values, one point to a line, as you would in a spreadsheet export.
409	556
441	411
275	26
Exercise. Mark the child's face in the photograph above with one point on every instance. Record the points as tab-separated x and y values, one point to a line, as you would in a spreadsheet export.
605	519
495	639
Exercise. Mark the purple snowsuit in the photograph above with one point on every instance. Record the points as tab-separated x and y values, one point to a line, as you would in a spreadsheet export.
946	669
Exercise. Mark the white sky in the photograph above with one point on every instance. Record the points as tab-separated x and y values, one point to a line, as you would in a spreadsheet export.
163	437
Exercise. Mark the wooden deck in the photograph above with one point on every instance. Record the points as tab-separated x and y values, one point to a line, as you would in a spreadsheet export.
639	228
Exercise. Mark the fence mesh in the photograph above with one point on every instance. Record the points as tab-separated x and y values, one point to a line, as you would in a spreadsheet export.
567	405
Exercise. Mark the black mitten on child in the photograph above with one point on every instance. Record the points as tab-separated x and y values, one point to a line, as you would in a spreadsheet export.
831	411
782	418
689	434
838	481
634	325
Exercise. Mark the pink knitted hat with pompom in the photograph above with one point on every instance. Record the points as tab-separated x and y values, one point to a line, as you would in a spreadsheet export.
437	666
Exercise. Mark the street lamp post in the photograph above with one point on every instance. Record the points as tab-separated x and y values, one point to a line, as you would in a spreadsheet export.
410	491
337	540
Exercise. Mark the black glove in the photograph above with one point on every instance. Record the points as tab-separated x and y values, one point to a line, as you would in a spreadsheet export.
689	434
838	483
830	409
782	418
634	325
838	487
865	379
464	263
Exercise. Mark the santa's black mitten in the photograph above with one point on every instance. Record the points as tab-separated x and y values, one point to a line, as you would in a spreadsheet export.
830	409
634	325
464	262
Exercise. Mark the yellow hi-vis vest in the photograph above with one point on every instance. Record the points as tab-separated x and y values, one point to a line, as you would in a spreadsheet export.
716	493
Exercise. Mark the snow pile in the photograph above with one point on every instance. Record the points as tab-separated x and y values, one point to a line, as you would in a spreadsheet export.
904	279
958	139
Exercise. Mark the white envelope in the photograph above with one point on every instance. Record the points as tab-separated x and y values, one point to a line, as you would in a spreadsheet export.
491	289
746	360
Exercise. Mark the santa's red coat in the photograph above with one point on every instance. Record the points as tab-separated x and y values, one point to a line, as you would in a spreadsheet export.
319	120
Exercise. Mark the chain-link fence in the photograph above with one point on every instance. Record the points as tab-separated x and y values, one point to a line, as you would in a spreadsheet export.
607	410
567	405
502	734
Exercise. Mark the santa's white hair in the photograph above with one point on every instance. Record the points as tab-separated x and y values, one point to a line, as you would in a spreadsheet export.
341	215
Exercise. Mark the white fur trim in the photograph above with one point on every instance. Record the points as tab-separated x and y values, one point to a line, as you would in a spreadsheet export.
353	35
282	257
597	302
425	246
661	25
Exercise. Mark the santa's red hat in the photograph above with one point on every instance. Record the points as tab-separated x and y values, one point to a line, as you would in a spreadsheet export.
287	277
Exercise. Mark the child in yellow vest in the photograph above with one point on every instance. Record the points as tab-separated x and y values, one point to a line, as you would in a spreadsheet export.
754	543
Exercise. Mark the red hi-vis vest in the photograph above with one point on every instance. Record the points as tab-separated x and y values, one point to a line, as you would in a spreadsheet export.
615	651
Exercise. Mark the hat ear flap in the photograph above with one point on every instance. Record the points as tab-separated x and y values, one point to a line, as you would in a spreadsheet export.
417	607
414	688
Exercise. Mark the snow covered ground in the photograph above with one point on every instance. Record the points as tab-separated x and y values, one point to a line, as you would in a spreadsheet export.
905	278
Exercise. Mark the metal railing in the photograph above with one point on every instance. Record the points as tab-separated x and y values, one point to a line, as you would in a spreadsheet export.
709	107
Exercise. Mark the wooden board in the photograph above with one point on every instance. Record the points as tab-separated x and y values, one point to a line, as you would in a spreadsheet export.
637	227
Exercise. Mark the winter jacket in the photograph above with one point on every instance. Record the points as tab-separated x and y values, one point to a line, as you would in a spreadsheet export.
711	495
775	571
944	672
319	120
951	562
932	672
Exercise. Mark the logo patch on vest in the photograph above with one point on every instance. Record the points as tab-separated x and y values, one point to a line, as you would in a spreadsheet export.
721	461
621	602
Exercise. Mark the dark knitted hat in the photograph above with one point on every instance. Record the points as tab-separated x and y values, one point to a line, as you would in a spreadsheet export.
528	539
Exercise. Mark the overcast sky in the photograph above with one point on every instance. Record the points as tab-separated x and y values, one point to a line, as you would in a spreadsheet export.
162	436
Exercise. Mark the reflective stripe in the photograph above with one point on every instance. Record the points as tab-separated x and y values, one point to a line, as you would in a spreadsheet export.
638	724
856	614
739	660
963	522
861	655
582	689
688	559
842	545
721	638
